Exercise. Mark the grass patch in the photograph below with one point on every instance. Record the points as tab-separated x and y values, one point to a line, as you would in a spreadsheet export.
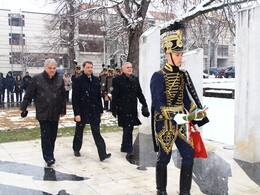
32	134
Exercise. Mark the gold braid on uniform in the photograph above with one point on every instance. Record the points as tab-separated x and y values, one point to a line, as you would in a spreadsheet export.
191	88
174	85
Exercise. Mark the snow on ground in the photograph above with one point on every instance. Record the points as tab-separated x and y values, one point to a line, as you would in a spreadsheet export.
221	116
11	119
226	83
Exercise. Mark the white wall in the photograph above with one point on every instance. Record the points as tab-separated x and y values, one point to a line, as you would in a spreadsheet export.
247	128
149	62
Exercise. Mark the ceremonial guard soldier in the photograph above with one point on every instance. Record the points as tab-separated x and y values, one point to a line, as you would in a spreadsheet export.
77	72
109	88
102	78
171	89
117	71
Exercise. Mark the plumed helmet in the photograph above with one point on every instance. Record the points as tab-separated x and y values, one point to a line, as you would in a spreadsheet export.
104	68
77	67
110	70
118	69
173	42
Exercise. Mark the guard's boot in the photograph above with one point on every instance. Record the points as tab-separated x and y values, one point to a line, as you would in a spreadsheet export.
161	180
185	180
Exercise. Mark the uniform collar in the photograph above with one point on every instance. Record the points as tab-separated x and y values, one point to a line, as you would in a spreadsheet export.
171	68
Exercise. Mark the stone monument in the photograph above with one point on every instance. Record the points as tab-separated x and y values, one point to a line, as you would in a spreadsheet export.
247	129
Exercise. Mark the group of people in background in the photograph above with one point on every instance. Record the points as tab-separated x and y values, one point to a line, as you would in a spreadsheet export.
11	86
106	77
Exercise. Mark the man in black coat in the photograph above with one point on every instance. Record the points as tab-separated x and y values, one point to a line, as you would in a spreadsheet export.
126	90
47	90
87	107
2	88
9	85
26	80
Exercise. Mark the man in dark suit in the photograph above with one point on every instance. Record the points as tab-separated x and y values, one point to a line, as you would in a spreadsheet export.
126	91
87	107
47	90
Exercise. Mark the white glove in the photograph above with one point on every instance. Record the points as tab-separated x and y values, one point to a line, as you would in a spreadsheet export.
198	119
179	120
109	95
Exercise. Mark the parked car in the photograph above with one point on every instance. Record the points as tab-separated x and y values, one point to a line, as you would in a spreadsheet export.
205	76
211	70
230	72
221	72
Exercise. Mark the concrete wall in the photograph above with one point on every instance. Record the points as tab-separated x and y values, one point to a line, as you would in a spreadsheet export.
247	128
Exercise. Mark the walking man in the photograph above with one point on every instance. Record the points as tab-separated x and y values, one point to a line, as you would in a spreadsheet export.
87	107
126	91
47	90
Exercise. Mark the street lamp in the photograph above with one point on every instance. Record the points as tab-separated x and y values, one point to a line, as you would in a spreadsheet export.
103	30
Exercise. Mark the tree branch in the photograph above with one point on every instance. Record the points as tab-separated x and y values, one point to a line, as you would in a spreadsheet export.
95	9
200	9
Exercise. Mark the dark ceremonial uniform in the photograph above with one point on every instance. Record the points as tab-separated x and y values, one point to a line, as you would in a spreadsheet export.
109	85
173	96
102	80
170	87
108	90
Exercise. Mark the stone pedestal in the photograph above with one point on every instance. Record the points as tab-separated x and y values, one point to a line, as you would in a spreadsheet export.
247	107
149	62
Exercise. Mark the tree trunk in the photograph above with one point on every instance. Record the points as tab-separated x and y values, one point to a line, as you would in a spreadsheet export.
133	52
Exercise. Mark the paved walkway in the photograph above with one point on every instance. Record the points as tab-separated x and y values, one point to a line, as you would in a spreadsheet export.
23	171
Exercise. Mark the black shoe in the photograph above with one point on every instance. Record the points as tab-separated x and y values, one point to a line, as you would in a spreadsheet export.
124	150
130	158
50	162
76	153
107	156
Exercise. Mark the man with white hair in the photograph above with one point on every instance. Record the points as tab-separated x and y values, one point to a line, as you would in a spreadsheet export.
126	91
47	90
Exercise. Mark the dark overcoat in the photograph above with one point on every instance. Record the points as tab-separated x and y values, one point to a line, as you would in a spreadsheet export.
49	96
9	82
26	81
125	92
86	99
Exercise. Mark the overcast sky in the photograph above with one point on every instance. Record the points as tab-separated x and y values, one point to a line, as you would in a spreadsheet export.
26	5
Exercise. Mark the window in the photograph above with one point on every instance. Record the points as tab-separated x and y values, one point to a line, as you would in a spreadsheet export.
15	57
37	59
91	46
16	39
223	50
16	20
89	28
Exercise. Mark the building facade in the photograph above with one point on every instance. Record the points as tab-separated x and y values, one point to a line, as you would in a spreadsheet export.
25	42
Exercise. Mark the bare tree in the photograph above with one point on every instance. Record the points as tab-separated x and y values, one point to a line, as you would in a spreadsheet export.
62	27
133	14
